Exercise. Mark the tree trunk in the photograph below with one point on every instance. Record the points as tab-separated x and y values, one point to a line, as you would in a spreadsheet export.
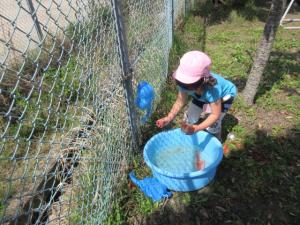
263	51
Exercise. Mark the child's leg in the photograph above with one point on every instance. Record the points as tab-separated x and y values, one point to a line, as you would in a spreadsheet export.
216	128
193	113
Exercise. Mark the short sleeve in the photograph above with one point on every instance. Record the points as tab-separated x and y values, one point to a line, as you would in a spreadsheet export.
212	94
180	89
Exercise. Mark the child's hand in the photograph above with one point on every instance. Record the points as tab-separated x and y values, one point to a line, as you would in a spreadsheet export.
188	128
162	122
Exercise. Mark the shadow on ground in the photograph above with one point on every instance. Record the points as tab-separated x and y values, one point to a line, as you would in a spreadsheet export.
280	64
249	10
257	184
228	123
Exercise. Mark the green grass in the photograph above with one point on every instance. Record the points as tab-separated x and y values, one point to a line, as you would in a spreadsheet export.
258	179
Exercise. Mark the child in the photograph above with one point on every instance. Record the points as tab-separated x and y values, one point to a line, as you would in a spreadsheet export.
208	90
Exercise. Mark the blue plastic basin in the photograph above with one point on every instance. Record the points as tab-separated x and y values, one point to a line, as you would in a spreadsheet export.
171	157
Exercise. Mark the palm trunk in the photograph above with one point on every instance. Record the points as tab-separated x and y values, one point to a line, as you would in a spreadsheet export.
263	51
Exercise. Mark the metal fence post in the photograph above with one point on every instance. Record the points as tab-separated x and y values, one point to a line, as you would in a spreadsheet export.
35	19
172	19
126	68
168	15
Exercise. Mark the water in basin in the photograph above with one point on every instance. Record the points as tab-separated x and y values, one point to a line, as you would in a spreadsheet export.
179	159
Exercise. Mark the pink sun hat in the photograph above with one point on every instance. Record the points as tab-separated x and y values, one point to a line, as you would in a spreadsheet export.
193	66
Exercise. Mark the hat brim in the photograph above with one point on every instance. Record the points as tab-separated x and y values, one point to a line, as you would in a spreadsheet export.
183	78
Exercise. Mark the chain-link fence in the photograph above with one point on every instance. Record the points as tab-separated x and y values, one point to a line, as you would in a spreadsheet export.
68	125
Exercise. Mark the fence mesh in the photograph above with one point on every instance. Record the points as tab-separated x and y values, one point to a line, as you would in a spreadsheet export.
65	131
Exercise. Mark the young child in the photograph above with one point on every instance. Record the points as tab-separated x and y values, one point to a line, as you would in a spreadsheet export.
208	90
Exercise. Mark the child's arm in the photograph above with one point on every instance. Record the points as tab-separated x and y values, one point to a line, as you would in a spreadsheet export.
213	117
210	120
177	106
179	103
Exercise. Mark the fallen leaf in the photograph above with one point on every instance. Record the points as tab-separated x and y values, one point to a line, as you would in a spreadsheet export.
131	185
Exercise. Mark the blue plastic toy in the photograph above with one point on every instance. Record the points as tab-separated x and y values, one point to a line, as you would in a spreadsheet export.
151	187
171	158
144	99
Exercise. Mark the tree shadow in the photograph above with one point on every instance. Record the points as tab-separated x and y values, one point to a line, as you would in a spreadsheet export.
280	63
249	10
291	91
240	82
228	123
257	184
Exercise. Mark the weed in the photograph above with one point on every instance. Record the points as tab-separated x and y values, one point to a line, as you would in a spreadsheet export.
117	218
277	129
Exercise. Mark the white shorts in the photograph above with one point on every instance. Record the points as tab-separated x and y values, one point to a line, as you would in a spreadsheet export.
194	113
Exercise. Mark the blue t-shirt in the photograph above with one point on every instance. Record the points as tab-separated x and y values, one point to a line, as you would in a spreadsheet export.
212	94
